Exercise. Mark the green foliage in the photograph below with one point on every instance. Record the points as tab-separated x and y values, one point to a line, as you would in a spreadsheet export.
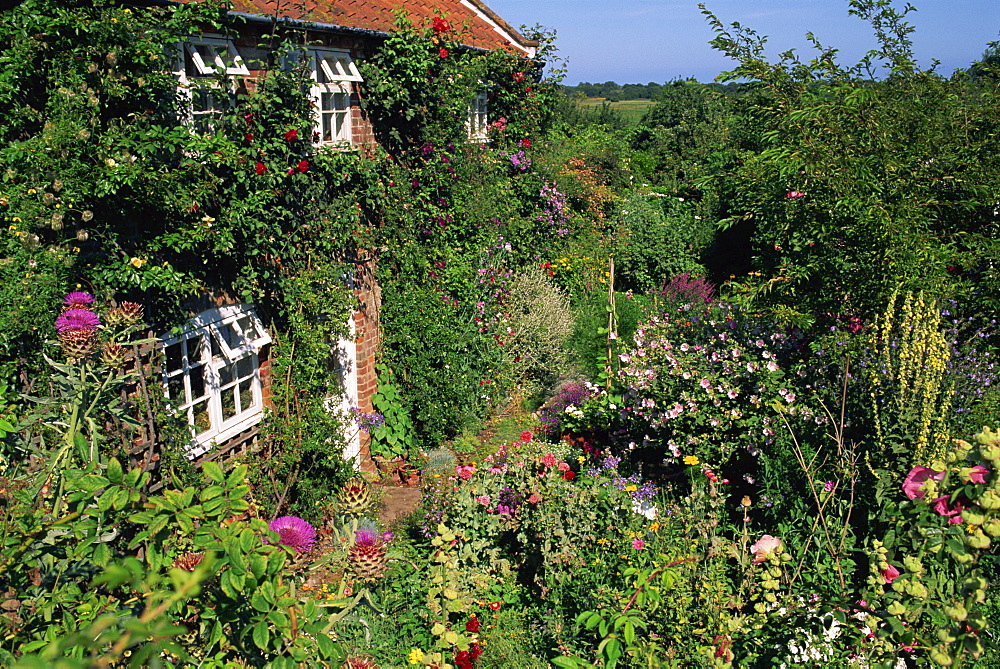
396	438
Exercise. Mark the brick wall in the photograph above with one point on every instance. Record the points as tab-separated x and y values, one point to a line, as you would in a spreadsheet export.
367	337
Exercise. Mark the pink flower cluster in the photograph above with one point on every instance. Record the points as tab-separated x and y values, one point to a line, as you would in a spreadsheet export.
913	488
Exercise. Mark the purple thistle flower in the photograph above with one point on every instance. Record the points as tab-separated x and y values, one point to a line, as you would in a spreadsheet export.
78	300
294	532
77	319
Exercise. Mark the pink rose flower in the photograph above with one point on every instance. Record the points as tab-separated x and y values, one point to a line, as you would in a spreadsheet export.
765	547
890	574
914	482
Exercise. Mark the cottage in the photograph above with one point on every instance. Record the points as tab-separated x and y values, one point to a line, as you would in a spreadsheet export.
217	367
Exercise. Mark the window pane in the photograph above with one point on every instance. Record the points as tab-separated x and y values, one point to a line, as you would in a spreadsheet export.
327	131
216	349
246	396
201	420
246	324
197	382
244	367
196	349
228	403
342	101
173	357
226	375
175	387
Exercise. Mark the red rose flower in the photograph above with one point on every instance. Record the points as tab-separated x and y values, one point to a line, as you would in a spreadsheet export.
473	625
442	52
248	118
527	88
291	135
570	475
440	25
526	143
260	168
303	166
248	136
518	77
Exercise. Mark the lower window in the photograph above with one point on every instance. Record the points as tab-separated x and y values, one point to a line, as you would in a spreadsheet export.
212	370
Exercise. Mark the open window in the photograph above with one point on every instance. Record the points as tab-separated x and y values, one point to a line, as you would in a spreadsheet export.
212	370
477	122
201	62
333	73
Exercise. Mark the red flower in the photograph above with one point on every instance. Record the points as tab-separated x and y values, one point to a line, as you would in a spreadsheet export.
442	52
493	606
291	135
303	166
569	476
249	118
440	25
248	136
526	436
527	88
518	77
551	273
473	625
260	168
526	143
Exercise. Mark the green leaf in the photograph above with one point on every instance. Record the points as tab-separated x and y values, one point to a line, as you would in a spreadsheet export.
213	471
261	635
114	471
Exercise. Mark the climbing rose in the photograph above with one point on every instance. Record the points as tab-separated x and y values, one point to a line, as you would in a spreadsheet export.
294	532
440	25
303	166
518	77
291	135
260	168
442	52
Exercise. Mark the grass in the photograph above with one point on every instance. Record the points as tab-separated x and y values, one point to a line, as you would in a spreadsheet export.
632	110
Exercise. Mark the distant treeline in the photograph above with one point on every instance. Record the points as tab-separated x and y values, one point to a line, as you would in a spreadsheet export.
615	92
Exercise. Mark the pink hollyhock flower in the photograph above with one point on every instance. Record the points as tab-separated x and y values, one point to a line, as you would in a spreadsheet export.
534	498
890	574
294	532
638	544
764	548
941	506
977	474
465	471
914	482
526	436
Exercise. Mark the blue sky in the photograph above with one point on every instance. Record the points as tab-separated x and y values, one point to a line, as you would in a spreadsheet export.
639	41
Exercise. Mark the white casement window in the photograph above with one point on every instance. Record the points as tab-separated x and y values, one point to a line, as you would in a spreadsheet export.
212	370
478	120
333	74
199	64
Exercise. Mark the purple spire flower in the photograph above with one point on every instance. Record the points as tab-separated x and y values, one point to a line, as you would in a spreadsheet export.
294	532
78	300
77	319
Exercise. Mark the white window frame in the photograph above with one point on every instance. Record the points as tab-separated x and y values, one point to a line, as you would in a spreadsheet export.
196	73
478	122
217	354
333	74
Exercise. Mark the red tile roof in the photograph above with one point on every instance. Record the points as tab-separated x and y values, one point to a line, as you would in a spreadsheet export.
480	26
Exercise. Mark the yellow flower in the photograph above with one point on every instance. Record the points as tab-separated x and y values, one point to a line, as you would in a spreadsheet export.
32	191
16	219
746	501
602	541
654	527
691	460
630	488
137	262
416	656
580	459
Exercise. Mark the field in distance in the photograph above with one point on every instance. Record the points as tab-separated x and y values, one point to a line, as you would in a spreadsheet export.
632	110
